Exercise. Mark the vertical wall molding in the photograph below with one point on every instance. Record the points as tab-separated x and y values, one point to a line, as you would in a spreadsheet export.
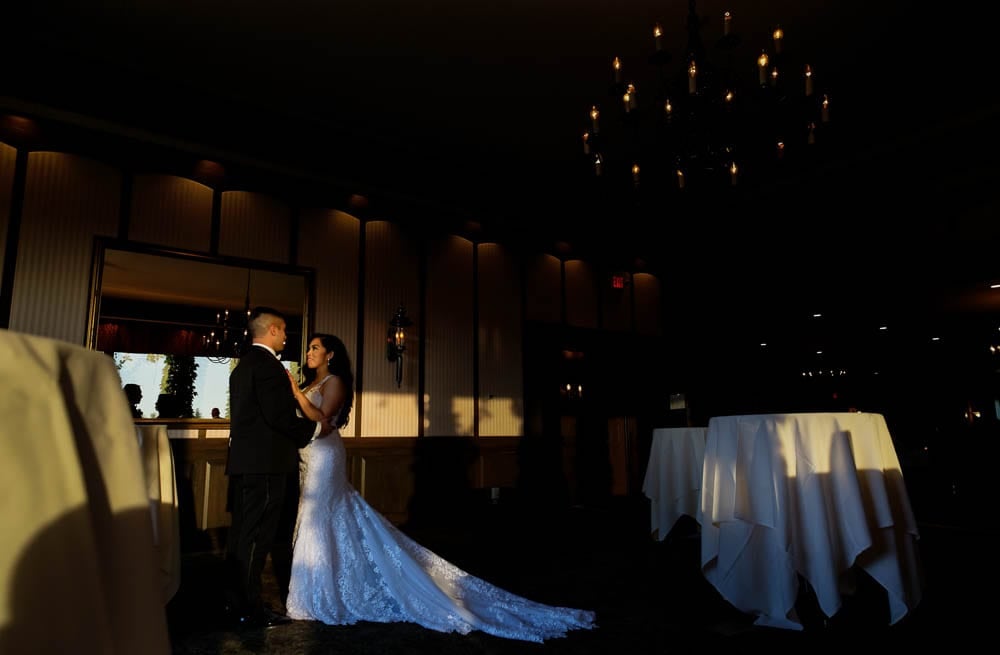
522	269
255	226
13	237
581	292
328	243
448	337
391	278
631	302
68	200
544	279
563	310
216	229
359	362
648	303
125	207
475	339
602	282
422	358
293	244
172	212
501	344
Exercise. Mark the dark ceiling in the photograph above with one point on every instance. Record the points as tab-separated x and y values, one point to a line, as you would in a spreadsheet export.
473	110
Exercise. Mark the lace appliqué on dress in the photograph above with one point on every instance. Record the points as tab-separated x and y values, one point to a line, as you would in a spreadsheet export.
352	564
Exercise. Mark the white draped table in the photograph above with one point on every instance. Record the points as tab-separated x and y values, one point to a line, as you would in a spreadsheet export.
78	566
161	488
814	495
673	477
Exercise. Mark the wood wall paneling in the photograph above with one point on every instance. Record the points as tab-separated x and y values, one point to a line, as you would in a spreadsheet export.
449	408
8	157
581	294
202	483
616	309
384	476
648	304
623	454
68	200
497	463
391	277
329	244
171	211
387	472
544	284
501	358
569	464
254	226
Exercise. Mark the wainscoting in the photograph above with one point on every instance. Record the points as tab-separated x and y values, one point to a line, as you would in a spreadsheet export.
407	479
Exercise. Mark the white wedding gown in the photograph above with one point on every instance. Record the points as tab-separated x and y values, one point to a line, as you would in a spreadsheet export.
351	564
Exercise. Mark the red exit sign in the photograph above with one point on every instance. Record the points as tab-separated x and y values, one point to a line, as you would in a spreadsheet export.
619	280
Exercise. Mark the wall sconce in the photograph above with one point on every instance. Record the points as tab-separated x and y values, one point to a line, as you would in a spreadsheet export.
396	341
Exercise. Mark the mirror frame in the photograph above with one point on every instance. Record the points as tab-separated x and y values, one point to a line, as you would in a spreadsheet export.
103	244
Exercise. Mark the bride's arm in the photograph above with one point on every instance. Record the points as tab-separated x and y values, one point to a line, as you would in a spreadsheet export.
309	410
333	397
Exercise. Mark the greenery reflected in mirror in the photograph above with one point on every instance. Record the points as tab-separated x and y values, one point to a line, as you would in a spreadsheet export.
175	322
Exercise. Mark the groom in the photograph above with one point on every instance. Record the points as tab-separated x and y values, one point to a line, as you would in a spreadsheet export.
264	438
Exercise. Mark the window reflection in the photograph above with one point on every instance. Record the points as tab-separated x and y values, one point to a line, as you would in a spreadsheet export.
174	322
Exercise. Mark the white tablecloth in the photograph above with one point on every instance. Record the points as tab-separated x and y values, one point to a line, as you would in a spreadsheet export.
809	494
673	477
161	488
77	561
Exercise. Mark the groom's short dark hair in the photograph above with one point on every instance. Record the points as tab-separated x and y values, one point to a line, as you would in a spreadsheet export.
257	326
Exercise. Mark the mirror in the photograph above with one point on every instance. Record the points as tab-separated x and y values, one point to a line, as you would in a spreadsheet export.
175	322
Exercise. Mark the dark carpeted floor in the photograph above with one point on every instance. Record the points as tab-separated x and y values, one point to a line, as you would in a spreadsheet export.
649	596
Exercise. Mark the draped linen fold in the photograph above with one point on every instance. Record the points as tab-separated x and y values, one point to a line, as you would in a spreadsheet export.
673	477
78	567
814	495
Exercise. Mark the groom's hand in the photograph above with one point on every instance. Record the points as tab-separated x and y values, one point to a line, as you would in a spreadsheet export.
325	428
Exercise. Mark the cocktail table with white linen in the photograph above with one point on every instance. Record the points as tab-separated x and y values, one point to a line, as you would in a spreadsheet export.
812	494
673	477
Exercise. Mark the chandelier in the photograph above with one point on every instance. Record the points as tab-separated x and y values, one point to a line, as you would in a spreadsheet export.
707	116
228	336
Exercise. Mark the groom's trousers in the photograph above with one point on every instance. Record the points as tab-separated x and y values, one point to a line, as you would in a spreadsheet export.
257	501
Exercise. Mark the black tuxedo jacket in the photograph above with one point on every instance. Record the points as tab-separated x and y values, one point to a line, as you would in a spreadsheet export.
265	430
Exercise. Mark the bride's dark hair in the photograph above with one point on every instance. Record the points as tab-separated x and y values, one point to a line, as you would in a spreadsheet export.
340	366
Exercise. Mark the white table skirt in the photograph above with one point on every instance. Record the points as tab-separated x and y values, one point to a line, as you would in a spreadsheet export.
808	494
161	488
77	560
673	477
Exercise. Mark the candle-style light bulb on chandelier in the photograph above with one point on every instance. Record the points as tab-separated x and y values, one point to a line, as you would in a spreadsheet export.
705	118
230	334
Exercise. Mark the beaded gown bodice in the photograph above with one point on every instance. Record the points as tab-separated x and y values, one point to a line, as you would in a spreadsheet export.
352	564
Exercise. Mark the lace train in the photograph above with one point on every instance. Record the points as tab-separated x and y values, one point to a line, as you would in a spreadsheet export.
351	564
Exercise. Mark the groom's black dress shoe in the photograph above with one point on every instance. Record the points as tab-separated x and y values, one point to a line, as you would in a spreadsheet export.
264	618
273	618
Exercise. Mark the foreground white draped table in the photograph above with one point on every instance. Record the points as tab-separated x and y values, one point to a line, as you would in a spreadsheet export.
78	568
673	477
805	494
161	488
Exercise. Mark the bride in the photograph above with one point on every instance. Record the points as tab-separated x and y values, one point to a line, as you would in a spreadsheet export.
350	564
